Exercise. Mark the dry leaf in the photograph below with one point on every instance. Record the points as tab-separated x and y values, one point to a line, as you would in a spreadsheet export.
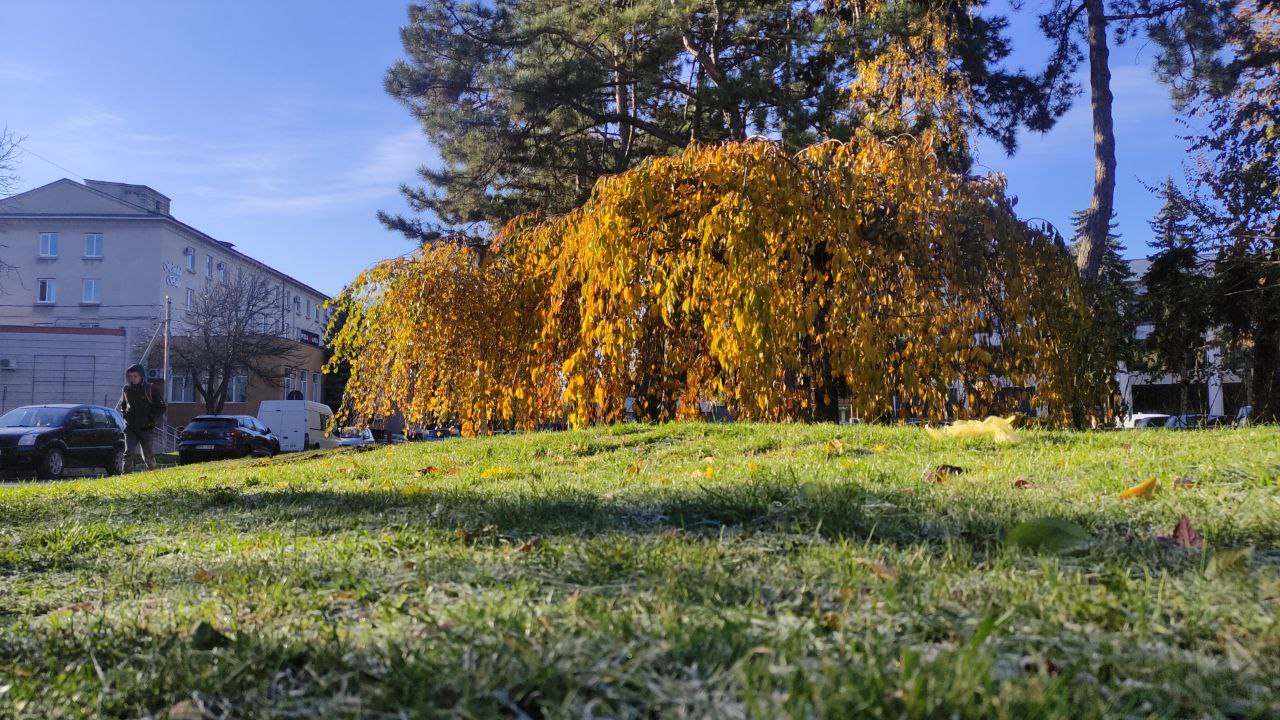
940	473
1142	489
344	595
1225	561
431	470
884	572
634	468
202	576
530	544
1184	482
1022	484
184	710
834	447
1185	536
1127	446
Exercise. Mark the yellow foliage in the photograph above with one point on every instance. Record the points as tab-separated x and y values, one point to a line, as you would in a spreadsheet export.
1142	489
771	282
999	429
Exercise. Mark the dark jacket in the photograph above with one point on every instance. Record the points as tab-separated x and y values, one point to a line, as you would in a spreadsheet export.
141	406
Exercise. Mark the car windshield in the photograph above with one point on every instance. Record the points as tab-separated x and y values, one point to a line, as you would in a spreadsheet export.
211	424
34	417
351	432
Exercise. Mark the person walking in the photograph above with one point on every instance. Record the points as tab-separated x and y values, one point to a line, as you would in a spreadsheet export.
142	409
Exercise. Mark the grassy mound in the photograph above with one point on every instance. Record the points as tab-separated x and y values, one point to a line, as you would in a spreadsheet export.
639	571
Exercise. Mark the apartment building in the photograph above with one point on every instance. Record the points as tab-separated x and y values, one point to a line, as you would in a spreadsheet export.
108	255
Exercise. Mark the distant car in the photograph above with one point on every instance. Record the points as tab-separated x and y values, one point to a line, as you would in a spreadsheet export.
1196	422
212	437
1144	420
300	424
353	437
52	438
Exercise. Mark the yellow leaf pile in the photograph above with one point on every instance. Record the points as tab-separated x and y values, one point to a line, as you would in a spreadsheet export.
999	429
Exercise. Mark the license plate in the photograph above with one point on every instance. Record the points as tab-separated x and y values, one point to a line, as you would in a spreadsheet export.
204	447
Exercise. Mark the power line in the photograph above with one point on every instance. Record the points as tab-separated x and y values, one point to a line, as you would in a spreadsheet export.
28	151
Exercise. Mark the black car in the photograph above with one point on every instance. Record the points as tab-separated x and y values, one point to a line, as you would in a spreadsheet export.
212	437
51	438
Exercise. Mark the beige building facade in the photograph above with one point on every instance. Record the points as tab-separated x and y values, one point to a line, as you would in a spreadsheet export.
109	255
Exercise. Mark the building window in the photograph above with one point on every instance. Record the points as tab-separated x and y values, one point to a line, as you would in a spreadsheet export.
93	245
308	308
46	291
315	386
191	298
48	244
89	325
190	252
287	384
297	305
181	389
222	272
208	266
302	384
91	294
238	388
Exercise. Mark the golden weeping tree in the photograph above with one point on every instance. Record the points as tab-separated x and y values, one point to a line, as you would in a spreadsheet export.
870	271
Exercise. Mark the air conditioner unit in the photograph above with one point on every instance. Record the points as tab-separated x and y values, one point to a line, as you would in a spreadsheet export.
8	364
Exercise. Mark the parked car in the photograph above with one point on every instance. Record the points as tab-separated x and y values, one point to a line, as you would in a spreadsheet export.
213	437
353	437
300	424
1144	420
52	438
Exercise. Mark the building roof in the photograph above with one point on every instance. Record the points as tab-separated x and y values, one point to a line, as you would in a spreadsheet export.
107	206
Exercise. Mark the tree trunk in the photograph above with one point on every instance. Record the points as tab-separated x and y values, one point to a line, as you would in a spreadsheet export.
1265	383
1098	217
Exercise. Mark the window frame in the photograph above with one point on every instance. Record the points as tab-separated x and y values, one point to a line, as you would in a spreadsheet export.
190	253
51	251
208	267
97	291
49	288
191	298
100	249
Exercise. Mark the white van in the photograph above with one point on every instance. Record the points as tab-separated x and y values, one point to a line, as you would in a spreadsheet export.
300	424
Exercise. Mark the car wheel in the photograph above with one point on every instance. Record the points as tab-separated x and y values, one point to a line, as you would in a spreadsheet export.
51	465
118	463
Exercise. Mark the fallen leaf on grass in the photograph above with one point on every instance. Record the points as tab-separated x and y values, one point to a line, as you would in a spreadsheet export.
344	595
1022	484
184	710
993	428
1049	534
1227	561
834	447
431	470
1185	536
1142	489
1184	482
884	572
207	637
633	469
497	472
203	576
530	544
940	473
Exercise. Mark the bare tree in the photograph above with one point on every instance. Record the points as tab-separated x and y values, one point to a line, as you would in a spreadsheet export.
230	331
8	181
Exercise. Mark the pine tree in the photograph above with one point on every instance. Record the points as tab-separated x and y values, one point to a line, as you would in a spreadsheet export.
529	102
1113	297
1178	292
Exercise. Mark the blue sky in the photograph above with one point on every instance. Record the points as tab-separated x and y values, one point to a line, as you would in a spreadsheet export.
267	125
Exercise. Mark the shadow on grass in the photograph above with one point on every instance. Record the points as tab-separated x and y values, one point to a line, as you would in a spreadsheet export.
767	503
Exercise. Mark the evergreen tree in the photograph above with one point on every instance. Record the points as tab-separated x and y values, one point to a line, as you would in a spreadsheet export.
528	102
1113	296
1178	291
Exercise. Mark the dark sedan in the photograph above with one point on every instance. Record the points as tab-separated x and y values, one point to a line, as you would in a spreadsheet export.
213	437
49	439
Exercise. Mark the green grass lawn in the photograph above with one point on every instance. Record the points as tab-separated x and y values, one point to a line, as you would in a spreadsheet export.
685	570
